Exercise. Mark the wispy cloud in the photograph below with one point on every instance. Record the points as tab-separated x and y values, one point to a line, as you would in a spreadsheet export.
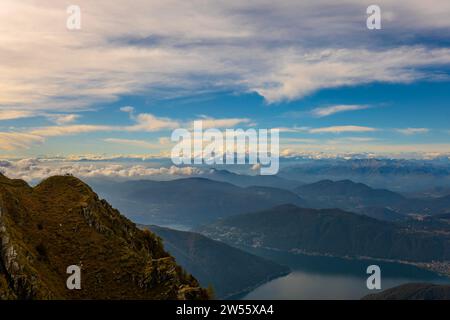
143	122
17	140
128	109
62	119
330	110
298	140
345	140
342	129
412	131
135	143
15	114
54	131
225	46
54	117
293	129
209	122
150	123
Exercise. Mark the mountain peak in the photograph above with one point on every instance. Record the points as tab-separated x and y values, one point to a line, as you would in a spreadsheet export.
65	183
62	222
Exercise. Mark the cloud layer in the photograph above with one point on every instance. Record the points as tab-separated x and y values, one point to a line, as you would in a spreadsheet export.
171	48
33	170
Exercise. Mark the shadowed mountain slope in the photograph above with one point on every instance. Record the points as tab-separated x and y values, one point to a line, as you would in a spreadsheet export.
329	232
230	271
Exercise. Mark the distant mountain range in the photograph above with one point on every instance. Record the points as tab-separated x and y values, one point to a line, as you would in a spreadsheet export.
61	222
329	232
243	180
399	174
190	201
347	194
378	203
196	201
230	271
413	291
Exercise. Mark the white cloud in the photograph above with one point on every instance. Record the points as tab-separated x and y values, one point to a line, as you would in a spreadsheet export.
54	131
127	109
17	140
342	129
300	74
293	129
103	157
330	110
134	143
209	122
298	140
15	114
307	46
412	131
35	169
143	122
62	119
149	122
353	139
54	117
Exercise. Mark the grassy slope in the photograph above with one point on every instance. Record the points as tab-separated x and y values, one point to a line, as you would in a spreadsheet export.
62	222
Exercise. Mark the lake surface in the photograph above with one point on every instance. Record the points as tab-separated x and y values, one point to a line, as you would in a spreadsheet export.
334	278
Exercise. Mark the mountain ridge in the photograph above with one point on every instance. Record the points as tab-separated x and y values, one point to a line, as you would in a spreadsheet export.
189	201
329	232
62	222
360	198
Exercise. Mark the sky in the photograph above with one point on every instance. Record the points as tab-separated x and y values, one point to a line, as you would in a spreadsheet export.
136	71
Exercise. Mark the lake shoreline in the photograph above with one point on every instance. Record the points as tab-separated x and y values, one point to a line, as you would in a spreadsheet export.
239	295
440	268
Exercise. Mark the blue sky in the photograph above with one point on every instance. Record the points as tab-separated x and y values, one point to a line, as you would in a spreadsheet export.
131	75
405	115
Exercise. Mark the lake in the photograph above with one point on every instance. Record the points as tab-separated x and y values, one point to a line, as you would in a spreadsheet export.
316	277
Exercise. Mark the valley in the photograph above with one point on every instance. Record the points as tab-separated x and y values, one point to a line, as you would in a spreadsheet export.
257	230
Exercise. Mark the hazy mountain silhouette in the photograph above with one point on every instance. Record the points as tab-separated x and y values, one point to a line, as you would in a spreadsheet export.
243	180
399	175
360	198
190	201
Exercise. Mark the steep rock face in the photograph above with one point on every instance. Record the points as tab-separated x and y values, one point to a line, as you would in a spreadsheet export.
62	222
